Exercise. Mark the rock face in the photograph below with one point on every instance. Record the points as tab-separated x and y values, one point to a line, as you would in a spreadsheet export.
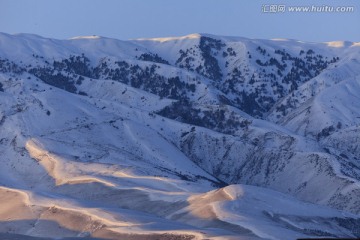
154	126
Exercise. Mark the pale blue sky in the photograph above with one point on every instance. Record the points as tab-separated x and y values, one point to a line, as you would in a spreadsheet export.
127	19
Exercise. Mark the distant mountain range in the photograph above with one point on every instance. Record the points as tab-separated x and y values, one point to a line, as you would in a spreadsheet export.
193	137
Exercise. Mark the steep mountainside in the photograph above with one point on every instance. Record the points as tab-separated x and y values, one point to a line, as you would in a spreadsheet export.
177	138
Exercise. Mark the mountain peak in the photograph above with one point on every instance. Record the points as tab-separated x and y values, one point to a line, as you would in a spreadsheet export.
339	44
165	39
86	37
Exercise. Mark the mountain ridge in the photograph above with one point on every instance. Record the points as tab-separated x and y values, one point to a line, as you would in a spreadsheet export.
150	125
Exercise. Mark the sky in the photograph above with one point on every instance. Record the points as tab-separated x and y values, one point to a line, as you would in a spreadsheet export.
129	19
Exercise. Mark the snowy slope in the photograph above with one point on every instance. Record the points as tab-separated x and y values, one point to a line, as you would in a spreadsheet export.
139	139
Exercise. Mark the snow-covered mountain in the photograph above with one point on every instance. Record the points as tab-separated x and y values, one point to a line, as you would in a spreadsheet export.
194	137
